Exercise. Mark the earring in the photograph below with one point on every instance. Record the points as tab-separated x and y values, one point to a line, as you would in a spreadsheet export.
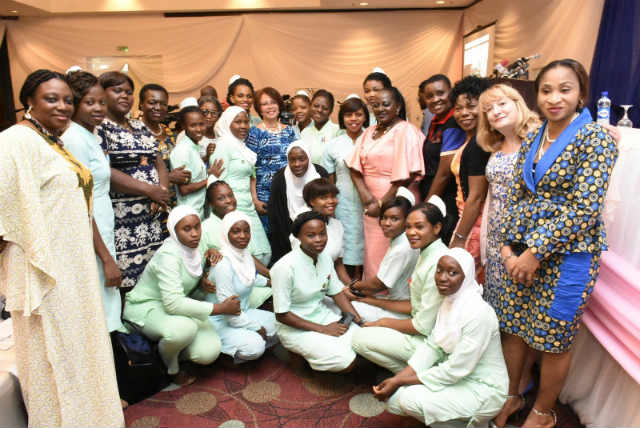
580	103
27	115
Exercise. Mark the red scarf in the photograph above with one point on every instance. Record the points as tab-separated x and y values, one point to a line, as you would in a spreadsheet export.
435	122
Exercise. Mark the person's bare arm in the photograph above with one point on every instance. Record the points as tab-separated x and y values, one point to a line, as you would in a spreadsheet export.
403	326
112	274
163	174
292	320
369	202
441	179
186	189
399	306
341	271
478	186
345	305
124	183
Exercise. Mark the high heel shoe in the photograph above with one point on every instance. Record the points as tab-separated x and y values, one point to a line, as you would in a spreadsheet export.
523	403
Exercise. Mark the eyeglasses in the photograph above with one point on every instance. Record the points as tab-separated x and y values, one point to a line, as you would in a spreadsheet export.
213	113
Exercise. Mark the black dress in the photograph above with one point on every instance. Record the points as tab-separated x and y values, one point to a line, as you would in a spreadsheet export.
444	138
278	213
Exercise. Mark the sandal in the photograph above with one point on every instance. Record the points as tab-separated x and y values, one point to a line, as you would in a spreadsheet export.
551	413
523	403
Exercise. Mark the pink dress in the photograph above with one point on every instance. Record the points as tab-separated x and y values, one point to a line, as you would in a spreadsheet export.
392	157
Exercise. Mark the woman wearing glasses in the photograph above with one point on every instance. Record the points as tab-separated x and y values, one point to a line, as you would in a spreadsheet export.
211	110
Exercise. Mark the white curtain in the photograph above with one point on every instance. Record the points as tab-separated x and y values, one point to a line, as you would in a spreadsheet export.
284	50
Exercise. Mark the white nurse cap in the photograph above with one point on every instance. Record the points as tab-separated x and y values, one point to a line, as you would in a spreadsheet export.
438	202
406	193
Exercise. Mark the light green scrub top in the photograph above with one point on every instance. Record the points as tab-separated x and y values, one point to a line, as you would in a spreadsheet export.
317	139
425	298
237	174
477	359
187	153
165	284
299	286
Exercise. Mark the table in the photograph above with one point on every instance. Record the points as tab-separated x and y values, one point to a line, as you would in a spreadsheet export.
603	385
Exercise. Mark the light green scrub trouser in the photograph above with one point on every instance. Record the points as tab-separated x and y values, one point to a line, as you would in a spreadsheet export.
182	337
386	347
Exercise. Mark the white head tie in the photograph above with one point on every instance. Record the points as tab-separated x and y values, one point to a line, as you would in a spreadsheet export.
190	256
457	307
188	102
378	70
352	96
233	78
240	259
303	92
406	193
73	69
438	202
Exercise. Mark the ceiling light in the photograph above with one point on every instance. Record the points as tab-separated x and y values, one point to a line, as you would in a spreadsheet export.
440	2
364	4
13	11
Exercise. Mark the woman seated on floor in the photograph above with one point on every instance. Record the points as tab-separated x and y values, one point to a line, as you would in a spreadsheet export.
244	336
321	195
459	372
301	280
390	342
286	200
222	201
395	269
159	303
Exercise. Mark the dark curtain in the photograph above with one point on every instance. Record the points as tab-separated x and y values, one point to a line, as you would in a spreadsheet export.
7	113
616	62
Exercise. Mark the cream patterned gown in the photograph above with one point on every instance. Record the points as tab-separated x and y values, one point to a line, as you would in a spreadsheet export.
49	274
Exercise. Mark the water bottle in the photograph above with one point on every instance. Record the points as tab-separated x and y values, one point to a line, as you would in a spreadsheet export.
604	108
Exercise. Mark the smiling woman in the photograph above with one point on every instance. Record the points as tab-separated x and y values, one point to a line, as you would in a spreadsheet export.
389	155
139	180
48	263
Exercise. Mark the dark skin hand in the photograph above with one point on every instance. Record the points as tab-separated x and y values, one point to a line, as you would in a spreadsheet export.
403	326
179	175
112	274
388	387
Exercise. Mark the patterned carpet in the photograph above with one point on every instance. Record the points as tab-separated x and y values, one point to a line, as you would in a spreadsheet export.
270	392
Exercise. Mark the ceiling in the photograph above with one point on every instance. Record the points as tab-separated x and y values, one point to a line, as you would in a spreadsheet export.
57	7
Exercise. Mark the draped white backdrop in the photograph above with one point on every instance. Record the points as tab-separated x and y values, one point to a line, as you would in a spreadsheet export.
334	50
284	50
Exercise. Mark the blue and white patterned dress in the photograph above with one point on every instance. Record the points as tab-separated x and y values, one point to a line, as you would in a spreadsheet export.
271	149
499	174
138	233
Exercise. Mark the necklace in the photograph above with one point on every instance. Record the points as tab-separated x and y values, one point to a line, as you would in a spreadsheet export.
156	133
386	129
274	129
52	136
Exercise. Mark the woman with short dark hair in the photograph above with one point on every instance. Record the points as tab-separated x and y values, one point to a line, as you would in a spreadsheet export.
139	179
322	130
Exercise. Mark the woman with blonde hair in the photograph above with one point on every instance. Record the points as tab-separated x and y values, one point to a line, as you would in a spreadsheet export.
505	120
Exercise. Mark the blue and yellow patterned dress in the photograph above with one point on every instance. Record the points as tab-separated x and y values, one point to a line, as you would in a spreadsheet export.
556	211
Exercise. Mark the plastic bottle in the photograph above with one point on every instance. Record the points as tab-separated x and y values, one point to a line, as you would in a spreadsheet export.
604	108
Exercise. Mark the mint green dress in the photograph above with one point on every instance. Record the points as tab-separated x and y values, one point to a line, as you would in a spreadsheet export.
390	348
85	147
470	383
161	305
187	153
318	139
237	174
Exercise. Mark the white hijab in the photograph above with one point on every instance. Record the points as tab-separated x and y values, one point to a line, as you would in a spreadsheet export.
225	136
295	201
456	308
241	260
190	256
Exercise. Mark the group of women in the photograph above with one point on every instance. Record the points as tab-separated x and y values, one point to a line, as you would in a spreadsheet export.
457	296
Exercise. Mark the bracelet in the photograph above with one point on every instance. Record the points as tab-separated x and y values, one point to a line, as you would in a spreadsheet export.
459	236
